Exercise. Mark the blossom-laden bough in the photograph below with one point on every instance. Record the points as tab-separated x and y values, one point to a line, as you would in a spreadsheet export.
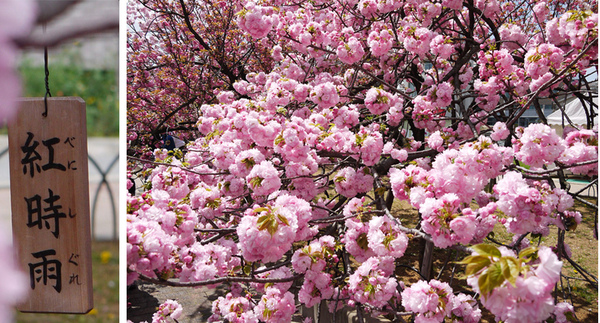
307	121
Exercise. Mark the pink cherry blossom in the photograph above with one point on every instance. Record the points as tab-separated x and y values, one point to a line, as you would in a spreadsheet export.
371	285
255	20
431	301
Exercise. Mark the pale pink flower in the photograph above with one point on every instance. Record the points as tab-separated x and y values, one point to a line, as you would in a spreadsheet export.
169	309
254	20
275	306
560	311
13	282
432	300
325	95
350	52
370	284
379	101
264	178
500	131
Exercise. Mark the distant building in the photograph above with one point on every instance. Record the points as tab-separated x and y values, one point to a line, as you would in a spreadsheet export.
531	116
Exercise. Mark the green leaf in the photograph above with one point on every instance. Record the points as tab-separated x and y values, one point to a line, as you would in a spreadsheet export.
260	209
495	276
267	313
490	279
213	204
528	254
273	227
382	98
247	269
262	220
242	12
256	182
536	236
268	222
388	239
483	283
476	264
360	139
283	219
510	269
248	162
495	272
467	260
278	140
515	268
370	289
487	250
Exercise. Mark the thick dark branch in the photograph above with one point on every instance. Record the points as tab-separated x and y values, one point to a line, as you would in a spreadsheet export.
171	165
220	280
184	105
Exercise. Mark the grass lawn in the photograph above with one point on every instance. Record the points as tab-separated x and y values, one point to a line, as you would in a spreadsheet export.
105	268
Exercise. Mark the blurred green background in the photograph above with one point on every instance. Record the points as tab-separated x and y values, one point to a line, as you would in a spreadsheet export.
98	87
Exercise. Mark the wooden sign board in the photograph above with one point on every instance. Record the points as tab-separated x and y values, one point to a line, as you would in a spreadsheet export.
49	189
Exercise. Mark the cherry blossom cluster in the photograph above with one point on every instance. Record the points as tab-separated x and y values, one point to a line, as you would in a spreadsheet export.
537	145
369	235
233	309
312	121
275	306
266	233
312	261
526	297
463	172
371	282
256	20
529	207
582	146
433	301
441	219
169	311
349	182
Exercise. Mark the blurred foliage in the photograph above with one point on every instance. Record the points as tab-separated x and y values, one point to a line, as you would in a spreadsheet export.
97	87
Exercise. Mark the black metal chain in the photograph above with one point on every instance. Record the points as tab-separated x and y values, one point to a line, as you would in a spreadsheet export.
46	78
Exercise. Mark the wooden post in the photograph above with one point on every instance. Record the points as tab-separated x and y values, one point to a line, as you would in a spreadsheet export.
50	204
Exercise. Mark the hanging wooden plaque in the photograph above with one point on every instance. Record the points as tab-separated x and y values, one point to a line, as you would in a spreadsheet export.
50	204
